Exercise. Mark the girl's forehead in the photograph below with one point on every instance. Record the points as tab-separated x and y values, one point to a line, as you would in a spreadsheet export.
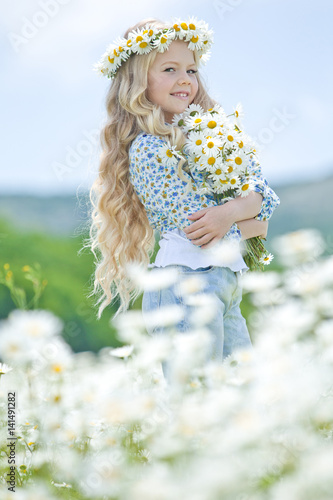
177	50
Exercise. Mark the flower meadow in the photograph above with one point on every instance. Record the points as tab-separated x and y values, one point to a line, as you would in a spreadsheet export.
110	426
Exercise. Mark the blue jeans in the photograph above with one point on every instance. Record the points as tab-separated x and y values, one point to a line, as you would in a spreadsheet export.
228	327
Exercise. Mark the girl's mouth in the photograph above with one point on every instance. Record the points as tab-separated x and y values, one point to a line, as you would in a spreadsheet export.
181	95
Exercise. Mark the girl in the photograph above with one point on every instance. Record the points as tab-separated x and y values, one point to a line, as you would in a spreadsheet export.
155	76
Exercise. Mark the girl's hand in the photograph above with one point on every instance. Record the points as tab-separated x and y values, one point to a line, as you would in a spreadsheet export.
210	225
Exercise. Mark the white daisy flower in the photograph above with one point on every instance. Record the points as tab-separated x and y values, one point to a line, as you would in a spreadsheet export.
266	259
218	175
231	138
245	188
140	42
196	141
218	109
204	57
121	48
122	352
231	167
162	43
168	154
195	122
209	163
234	181
211	146
239	114
238	162
221	185
179	121
193	109
4	368
194	35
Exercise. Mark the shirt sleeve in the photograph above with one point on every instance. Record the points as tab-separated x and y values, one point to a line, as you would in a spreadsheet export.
270	199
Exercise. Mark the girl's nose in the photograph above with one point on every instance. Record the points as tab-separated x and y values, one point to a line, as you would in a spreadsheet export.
184	78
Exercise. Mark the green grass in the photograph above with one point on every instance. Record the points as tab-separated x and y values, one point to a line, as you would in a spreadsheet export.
68	275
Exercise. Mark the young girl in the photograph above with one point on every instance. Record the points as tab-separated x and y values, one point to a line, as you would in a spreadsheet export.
154	71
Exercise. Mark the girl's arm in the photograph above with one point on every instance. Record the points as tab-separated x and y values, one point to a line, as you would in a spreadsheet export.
212	223
253	227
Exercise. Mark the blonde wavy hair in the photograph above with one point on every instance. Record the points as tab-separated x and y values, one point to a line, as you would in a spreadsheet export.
120	233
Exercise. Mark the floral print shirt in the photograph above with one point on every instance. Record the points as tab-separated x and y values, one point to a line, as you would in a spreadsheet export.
164	195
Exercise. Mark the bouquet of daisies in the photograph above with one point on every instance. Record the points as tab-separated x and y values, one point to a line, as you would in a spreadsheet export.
218	148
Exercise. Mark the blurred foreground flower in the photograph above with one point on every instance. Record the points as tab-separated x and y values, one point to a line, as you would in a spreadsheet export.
258	426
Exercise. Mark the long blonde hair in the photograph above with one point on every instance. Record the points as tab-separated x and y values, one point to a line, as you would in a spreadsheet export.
120	232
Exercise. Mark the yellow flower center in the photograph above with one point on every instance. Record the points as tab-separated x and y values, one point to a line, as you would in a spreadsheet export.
211	160
238	160
230	138
169	153
138	39
194	39
129	43
143	45
245	187
111	60
210	144
241	144
163	39
150	33
236	114
230	169
184	26
176	27
192	26
211	124
197	120
233	181
57	368
198	142
115	52
223	181
218	171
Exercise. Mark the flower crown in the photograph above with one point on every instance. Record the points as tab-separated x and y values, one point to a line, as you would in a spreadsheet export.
144	40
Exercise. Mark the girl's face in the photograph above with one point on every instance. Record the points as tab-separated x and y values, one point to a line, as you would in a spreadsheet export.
172	81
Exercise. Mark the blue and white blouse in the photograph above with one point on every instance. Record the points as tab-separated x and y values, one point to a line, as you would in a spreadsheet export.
168	204
163	193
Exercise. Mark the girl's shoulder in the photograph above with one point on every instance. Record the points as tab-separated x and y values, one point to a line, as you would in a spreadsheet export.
144	144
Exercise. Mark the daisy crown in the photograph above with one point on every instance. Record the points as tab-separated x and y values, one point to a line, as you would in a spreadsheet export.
144	40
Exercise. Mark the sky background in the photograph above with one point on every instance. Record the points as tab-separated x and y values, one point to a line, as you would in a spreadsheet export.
273	56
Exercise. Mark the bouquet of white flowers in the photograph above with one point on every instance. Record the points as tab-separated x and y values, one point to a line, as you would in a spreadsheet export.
218	148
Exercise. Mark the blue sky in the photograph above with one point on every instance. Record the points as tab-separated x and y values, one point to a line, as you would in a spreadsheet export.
273	56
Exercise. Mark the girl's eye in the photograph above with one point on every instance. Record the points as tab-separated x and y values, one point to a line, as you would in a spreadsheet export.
192	71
